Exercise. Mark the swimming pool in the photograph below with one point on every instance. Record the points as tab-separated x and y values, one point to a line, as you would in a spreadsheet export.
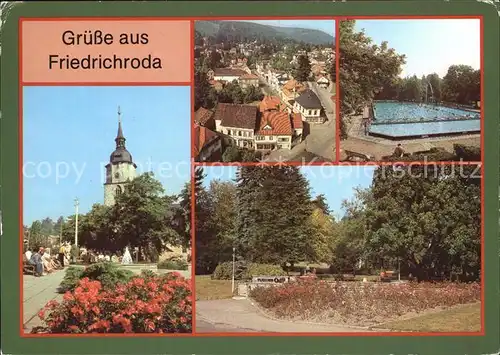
391	111
399	120
425	129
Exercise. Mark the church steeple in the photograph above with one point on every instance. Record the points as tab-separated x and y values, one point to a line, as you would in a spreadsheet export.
120	138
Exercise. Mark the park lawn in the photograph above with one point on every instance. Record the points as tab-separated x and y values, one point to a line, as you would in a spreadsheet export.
463	318
208	289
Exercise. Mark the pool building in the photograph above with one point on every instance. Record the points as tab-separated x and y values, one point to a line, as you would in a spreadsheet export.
405	120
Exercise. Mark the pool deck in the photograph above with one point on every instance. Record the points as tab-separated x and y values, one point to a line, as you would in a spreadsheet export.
357	141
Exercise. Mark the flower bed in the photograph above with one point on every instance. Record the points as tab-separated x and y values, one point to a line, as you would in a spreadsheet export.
145	304
358	303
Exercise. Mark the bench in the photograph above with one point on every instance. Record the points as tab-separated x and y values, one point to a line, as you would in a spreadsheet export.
28	268
387	276
350	155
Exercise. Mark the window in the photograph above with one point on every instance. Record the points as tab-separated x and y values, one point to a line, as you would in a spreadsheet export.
119	190
309	112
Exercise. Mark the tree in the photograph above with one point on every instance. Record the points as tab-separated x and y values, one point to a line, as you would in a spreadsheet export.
236	154
302	70
205	95
274	211
96	231
365	69
198	38
411	90
222	197
462	84
36	238
318	247
428	220
204	234
435	82
348	247
320	202
58	226
143	216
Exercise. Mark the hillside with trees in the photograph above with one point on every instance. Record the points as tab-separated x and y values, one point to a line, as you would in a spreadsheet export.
240	32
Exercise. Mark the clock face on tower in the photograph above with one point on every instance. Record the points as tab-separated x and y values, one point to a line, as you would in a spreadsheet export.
117	175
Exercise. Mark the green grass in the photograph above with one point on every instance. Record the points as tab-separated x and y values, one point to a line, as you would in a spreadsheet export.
464	318
208	289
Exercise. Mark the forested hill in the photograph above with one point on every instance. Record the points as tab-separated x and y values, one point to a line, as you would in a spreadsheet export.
236	31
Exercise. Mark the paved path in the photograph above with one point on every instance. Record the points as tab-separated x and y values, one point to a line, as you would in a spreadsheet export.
207	327
37	291
231	315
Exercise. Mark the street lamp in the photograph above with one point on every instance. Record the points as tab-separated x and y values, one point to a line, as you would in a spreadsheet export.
77	203
232	281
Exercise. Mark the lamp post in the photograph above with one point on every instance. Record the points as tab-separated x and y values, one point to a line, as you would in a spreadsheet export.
77	203
232	280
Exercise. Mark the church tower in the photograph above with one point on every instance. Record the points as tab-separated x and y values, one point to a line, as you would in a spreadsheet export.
120	170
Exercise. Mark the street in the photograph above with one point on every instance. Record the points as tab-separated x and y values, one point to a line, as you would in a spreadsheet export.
321	139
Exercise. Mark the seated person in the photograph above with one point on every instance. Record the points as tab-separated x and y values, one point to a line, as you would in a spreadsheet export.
399	151
48	264
36	260
27	255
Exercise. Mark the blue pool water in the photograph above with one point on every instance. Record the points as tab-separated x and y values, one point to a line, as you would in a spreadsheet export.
426	128
400	120
401	111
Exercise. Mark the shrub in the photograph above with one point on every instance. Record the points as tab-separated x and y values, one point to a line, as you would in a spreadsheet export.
155	304
245	271
360	303
467	153
224	271
173	264
107	274
263	270
147	273
71	277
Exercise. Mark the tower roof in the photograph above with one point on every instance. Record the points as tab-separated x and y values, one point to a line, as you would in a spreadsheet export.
120	154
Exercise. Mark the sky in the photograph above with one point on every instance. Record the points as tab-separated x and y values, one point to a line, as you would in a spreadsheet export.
327	26
337	183
69	135
430	45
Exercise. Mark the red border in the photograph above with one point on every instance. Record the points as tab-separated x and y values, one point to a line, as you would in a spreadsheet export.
195	164
337	90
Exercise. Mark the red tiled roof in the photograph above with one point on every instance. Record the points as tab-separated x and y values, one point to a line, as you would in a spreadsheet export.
229	72
236	115
279	122
248	77
202	136
297	121
271	103
202	116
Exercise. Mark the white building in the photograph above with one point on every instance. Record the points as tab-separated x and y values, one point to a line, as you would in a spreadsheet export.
225	74
309	106
238	122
